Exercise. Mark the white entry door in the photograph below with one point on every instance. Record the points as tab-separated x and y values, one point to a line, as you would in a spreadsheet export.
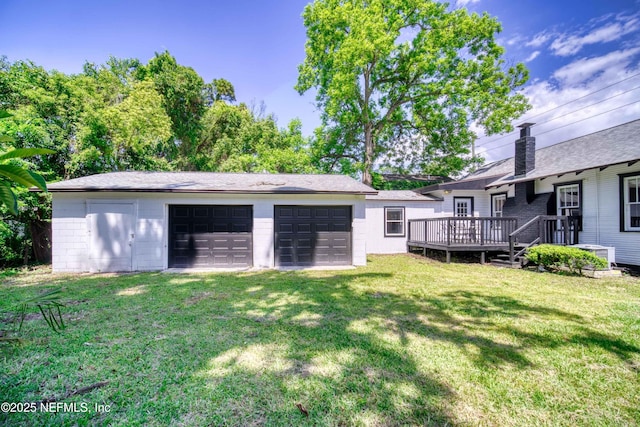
111	234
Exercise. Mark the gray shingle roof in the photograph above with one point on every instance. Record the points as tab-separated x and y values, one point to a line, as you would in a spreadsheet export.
210	182
607	147
402	195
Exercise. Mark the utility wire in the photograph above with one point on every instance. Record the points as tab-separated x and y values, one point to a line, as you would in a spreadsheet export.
569	124
565	114
567	103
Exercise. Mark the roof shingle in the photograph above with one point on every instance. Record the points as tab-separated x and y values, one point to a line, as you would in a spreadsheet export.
211	182
607	147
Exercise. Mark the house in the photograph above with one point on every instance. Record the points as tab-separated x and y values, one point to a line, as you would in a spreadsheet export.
137	221
388	213
588	187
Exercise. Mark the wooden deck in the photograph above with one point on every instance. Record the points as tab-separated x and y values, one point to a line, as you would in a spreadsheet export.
488	234
461	234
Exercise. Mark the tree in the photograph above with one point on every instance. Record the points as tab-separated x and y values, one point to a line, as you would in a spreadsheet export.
406	78
234	139
219	90
182	92
132	134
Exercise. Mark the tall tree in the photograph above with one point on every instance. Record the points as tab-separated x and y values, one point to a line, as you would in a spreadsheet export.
235	139
132	134
182	91
405	79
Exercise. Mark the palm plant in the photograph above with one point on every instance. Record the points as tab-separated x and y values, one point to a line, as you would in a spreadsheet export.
13	173
48	302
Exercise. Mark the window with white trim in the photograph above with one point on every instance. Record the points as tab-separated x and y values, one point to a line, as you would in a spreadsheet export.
568	200
497	204
631	204
394	221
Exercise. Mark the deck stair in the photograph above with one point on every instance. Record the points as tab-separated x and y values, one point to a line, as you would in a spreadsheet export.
503	259
560	230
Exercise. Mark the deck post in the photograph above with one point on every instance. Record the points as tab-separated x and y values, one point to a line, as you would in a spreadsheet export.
482	257
448	257
542	232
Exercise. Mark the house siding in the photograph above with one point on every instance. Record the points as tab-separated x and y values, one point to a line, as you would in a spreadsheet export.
481	202
627	244
376	241
70	242
600	209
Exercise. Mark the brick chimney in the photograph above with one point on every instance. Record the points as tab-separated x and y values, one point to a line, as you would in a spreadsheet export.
525	160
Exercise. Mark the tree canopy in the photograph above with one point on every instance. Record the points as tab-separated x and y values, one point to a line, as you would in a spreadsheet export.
125	115
400	82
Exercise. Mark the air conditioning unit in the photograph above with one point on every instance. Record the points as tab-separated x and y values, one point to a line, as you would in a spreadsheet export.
606	252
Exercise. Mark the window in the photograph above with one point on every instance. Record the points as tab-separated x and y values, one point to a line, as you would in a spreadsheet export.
497	204
631	203
568	200
394	222
462	206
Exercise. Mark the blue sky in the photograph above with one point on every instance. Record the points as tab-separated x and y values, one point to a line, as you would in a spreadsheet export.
572	49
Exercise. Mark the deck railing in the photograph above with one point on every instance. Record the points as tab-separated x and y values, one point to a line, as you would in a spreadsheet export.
559	230
470	231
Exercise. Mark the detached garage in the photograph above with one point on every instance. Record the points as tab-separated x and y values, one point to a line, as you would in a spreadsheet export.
145	221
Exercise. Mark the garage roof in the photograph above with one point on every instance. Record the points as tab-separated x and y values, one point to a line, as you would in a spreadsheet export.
210	182
403	195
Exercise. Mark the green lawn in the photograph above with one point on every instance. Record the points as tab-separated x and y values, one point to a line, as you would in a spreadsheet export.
403	341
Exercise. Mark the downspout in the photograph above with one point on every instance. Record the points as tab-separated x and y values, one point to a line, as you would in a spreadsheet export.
597	207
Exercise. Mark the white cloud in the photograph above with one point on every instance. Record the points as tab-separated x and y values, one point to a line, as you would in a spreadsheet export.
533	56
539	39
463	3
570	44
516	40
585	69
580	98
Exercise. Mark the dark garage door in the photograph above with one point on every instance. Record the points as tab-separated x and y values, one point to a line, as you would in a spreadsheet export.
210	236
312	235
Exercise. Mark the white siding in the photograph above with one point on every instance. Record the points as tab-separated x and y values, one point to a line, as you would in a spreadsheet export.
601	209
481	202
69	243
377	243
150	247
627	244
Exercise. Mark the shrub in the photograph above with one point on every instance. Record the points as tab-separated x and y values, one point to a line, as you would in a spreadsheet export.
555	257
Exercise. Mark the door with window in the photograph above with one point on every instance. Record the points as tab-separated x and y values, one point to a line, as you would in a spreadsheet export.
568	200
462	206
497	208
463	229
569	204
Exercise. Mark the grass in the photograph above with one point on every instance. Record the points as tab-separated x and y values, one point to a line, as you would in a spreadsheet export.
403	341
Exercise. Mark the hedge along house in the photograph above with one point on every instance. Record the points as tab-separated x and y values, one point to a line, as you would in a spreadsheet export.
137	221
593	180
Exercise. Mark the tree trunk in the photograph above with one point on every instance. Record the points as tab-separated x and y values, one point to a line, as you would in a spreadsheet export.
368	155
367	179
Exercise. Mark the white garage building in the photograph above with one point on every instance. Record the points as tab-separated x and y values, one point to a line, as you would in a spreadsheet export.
142	221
